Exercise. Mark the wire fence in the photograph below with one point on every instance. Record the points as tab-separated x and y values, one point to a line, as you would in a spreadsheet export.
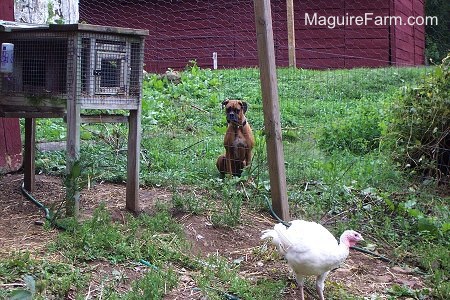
337	34
205	51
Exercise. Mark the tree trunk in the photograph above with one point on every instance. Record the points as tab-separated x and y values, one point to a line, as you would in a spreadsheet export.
46	11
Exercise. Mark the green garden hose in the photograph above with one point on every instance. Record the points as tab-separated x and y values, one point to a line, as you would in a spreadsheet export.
48	214
30	197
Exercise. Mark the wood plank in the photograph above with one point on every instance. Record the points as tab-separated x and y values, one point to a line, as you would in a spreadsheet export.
103	119
31	114
320	33
381	54
134	142
209	23
29	154
321	44
382	43
73	132
364	63
392	36
405	30
291	33
44	101
406	45
12	136
368	5
323	63
316	5
179	43
110	104
3	151
272	123
404	5
404	58
134	150
306	54
10	146
368	33
97	29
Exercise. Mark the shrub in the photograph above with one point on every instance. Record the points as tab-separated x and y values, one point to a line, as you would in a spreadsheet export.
419	127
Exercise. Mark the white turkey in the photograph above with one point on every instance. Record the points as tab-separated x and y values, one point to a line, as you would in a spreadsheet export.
310	249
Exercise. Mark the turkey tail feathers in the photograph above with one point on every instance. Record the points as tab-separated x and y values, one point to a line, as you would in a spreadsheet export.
284	241
269	233
279	237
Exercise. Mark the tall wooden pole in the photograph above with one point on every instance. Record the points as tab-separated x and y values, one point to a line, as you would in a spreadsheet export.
272	124
291	33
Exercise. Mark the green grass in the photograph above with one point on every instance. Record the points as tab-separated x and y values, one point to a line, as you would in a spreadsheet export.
49	279
333	124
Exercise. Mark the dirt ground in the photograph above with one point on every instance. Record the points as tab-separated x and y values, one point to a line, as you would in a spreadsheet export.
361	274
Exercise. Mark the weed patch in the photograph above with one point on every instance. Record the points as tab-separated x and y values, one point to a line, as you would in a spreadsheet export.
420	126
41	278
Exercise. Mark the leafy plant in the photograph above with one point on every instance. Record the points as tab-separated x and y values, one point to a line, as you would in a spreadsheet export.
189	202
420	125
151	286
220	280
428	227
228	213
437	35
398	291
41	277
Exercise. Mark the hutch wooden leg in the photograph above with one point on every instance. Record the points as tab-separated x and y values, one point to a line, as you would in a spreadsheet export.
134	142
29	154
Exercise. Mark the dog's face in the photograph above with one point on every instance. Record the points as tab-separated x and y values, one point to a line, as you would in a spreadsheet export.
235	110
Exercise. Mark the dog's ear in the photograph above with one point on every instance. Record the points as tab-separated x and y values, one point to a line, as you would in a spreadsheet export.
244	106
224	103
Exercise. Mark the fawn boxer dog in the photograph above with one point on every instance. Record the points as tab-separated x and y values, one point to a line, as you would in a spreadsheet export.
238	140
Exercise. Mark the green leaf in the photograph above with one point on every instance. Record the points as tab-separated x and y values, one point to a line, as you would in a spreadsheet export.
415	213
426	224
445	227
390	204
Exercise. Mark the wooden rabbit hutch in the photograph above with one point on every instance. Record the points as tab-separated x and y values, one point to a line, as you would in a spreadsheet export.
62	70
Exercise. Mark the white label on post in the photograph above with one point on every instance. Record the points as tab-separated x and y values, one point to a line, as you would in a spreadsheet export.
7	58
215	60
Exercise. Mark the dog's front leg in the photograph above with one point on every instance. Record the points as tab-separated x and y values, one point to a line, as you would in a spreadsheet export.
228	160
248	156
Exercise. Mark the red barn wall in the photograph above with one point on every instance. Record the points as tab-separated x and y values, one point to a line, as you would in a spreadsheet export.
183	30
409	41
7	10
10	142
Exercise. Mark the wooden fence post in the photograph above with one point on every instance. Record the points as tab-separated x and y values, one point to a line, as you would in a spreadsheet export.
272	124
291	33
